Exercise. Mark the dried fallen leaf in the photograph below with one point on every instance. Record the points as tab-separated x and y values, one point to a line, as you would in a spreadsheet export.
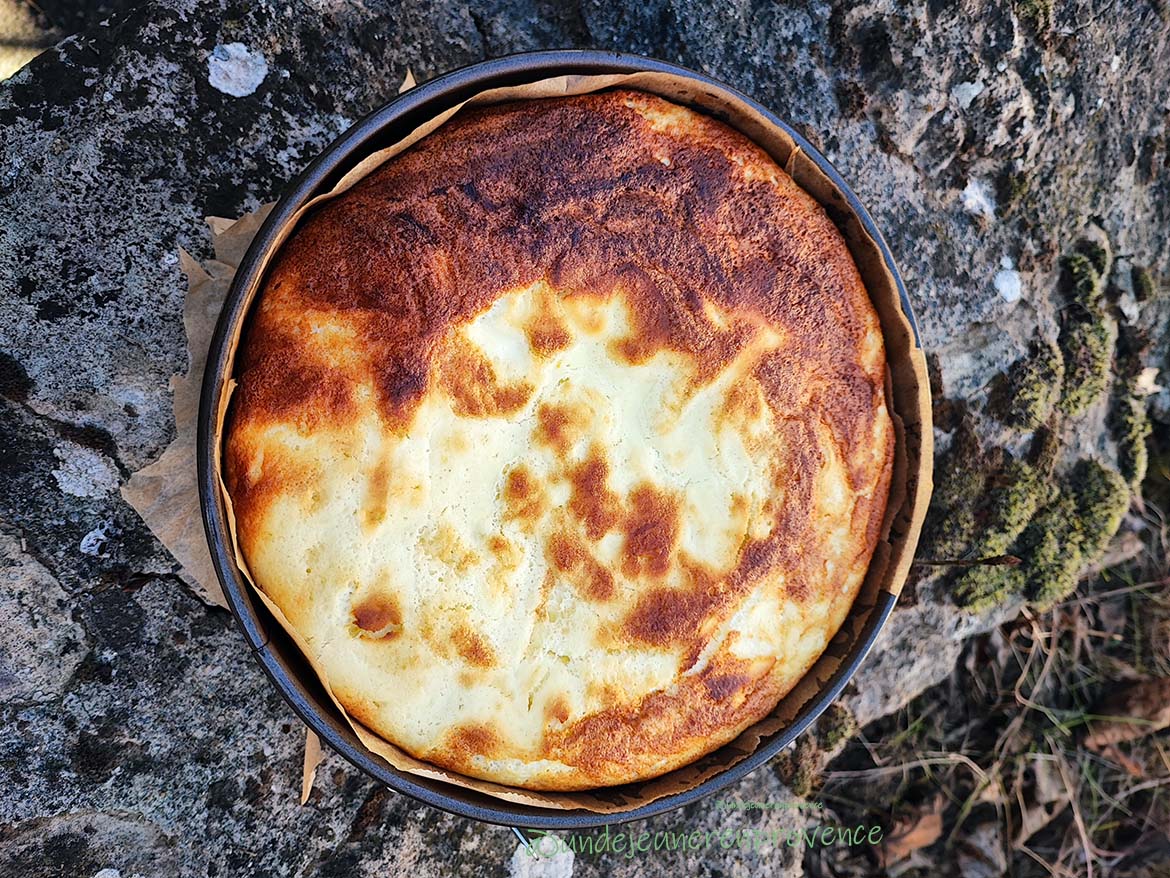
1132	766
1035	817
913	833
1042	800
1138	710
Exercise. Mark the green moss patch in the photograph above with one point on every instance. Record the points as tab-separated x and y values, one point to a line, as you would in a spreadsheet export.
1086	340
960	483
836	726
800	767
992	506
982	588
1073	532
1065	536
1026	394
1130	422
985	498
1143	283
1097	252
1082	280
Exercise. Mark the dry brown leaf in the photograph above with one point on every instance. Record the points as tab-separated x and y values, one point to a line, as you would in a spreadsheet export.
1044	798
1132	766
913	833
1138	710
1035	817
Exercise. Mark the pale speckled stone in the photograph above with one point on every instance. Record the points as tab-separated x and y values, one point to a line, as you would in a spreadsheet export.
541	858
236	70
84	472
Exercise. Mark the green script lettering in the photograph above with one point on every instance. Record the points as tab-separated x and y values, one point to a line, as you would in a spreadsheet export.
603	841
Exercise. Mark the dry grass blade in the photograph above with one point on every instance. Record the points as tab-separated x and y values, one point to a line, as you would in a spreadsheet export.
994	561
928	760
1078	820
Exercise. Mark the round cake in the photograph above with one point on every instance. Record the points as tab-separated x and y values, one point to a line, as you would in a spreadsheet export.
561	439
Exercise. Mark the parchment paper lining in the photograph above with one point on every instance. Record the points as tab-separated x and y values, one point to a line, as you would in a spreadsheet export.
907	393
165	493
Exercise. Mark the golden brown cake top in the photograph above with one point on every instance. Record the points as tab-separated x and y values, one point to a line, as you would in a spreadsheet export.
562	439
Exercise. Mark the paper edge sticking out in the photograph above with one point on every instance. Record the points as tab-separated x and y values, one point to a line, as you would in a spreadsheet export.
313	757
899	525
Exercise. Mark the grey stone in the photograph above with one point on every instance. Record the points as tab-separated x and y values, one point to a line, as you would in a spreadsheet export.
917	648
85	843
42	646
137	734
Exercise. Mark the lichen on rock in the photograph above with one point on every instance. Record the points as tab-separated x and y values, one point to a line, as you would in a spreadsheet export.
1011	190
1037	13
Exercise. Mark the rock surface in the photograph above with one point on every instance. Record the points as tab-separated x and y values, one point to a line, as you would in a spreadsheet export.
136	733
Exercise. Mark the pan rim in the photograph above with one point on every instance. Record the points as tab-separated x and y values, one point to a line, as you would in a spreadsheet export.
430	97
